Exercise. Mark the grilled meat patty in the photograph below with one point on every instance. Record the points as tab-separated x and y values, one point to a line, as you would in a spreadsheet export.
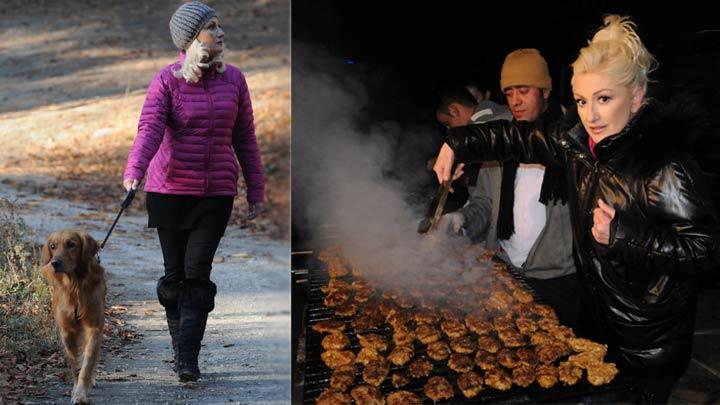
333	397
346	310
511	337
426	317
488	343
464	344
403	398
478	324
508	358
453	328
427	334
367	395
403	335
328	326
460	363
438	350
335	341
546	375
526	325
601	373
498	379
486	360
375	372
401	355
438	388
523	376
569	373
527	357
580	345
336	358
373	341
343	377
470	384
399	380
366	355
420	368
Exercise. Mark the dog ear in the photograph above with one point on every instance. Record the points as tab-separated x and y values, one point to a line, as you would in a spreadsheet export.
89	248
46	253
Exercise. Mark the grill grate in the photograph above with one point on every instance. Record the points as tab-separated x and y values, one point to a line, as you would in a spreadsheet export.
317	375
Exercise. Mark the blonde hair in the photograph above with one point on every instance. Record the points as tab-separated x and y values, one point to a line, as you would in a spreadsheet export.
617	51
196	59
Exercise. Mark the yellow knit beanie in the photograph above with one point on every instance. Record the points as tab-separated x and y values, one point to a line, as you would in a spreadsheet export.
525	67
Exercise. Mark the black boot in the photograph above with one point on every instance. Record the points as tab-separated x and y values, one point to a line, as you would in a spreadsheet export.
168	295
192	329
196	301
174	327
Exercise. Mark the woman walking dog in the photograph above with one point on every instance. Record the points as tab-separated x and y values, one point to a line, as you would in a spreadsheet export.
195	126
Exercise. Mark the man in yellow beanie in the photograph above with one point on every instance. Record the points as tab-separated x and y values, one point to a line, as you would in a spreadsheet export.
520	211
526	82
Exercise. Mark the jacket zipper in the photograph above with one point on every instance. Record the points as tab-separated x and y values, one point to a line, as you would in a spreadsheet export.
585	208
209	137
589	202
591	189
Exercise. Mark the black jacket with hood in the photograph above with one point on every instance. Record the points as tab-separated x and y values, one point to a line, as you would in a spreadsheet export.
641	288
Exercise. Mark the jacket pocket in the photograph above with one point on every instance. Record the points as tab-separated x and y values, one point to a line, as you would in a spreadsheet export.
170	165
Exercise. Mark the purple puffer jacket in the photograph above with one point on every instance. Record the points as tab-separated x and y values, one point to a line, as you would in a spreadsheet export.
190	133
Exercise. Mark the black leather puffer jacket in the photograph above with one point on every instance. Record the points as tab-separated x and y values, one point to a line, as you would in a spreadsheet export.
641	288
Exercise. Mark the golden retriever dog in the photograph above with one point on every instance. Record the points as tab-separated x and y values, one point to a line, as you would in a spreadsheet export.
77	285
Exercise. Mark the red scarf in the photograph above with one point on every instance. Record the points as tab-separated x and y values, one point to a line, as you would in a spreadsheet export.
592	144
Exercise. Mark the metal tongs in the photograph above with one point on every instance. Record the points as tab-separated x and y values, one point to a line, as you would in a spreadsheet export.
444	190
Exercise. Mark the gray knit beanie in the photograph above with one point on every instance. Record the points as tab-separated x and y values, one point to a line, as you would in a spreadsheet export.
187	22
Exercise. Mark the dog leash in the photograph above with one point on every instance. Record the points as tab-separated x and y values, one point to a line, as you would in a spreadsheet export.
126	203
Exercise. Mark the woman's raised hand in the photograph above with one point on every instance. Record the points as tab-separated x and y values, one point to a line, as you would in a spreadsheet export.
603	214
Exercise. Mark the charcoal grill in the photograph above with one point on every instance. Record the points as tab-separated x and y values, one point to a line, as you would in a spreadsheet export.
311	376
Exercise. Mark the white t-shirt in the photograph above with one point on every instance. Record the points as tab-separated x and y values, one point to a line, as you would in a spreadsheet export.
528	213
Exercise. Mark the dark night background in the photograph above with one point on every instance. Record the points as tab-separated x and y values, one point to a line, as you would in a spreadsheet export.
419	46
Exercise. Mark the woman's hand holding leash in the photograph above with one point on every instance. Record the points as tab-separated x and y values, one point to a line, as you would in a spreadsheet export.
130	184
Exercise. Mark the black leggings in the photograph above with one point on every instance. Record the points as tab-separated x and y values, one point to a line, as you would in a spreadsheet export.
188	254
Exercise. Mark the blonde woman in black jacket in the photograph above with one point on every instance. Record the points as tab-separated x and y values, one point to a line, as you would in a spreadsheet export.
645	231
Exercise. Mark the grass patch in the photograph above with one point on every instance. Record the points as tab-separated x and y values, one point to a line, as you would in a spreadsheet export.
27	330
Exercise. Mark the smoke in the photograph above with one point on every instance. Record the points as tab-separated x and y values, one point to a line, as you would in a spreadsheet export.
353	180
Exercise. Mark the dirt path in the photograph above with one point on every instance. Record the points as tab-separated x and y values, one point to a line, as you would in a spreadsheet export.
246	350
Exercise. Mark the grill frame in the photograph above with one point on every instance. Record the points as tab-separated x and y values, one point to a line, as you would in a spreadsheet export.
314	376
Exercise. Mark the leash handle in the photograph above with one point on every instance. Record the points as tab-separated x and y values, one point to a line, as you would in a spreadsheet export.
128	198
